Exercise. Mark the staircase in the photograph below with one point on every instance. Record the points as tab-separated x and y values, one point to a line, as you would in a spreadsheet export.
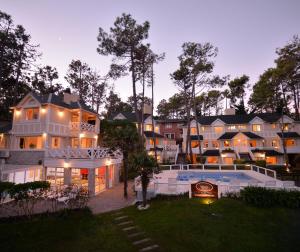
245	155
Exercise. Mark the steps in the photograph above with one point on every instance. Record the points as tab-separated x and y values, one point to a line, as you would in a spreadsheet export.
137	237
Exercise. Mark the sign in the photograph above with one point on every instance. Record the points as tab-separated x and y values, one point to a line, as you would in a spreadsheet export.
204	189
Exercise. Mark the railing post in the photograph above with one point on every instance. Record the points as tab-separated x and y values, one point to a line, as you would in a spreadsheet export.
202	166
234	167
219	167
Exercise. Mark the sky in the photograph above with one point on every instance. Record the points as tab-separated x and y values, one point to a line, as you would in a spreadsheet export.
245	32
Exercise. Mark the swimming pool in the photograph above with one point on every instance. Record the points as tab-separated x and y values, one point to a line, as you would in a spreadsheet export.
218	176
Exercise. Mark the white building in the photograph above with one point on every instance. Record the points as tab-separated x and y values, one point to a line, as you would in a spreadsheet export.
55	138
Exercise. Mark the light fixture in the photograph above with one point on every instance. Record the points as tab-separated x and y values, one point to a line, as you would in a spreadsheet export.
108	162
81	135
96	136
66	164
18	112
44	134
61	112
43	110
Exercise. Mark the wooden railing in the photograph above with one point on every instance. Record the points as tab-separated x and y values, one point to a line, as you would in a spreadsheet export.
88	153
83	126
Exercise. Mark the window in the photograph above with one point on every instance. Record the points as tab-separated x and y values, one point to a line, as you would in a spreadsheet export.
271	160
273	125
215	144
87	142
195	143
228	160
75	142
274	143
170	135
212	160
32	113
252	143
286	126
256	127
218	129
193	130
289	142
55	142
168	126
205	145
151	141
242	127
30	142
157	129
148	127
226	143
232	127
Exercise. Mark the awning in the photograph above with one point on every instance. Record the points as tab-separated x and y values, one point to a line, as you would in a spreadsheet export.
152	134
195	137
227	135
268	153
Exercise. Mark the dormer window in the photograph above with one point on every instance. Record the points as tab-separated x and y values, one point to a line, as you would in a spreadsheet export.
218	129
286	127
232	127
32	114
256	127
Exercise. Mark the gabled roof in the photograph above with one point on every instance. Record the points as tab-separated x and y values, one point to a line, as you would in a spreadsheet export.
210	153
151	133
228	135
288	135
268	152
252	135
58	100
171	120
239	119
5	126
130	116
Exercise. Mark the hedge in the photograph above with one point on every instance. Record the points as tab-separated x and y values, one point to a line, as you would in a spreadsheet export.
264	197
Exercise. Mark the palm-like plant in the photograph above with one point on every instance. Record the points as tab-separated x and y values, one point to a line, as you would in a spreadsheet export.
145	166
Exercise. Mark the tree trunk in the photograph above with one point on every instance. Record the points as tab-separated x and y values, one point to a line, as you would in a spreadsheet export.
152	108
286	158
125	173
196	119
144	181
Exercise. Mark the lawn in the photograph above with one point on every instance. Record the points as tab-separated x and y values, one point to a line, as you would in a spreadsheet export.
176	225
226	225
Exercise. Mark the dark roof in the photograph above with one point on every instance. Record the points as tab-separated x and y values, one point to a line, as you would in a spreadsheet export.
171	120
252	135
150	134
195	137
268	152
5	126
130	116
288	134
227	151
228	135
211	153
59	101
157	148
239	119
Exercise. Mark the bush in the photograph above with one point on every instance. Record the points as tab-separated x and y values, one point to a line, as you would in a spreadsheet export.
263	197
239	161
261	163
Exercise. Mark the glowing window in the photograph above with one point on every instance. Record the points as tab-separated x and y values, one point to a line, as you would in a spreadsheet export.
55	142
195	143
32	113
232	127
256	127
212	160
218	129
226	143
193	130
215	144
290	142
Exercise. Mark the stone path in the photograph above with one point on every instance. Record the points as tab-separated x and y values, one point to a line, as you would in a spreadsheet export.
134	233
112	199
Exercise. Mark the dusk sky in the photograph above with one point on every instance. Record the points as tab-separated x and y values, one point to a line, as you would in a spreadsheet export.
246	33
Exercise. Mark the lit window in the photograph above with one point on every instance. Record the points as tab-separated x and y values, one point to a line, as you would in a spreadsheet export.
55	142
273	125
32	113
286	126
30	142
256	127
271	160
151	141
168	126
290	142
215	144
232	127
212	160
226	143
193	130
205	145
218	129
252	143
242	127
148	127
195	144
274	143
170	135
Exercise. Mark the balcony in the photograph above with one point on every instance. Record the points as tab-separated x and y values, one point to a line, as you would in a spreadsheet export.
83	126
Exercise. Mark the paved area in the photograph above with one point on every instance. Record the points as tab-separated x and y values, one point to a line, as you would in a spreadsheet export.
112	199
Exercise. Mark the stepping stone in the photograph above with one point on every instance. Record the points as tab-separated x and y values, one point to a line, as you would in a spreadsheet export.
118	213
135	234
129	228
141	241
121	217
149	248
125	223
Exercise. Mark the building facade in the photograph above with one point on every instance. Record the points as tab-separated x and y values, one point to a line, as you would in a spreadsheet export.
55	138
226	138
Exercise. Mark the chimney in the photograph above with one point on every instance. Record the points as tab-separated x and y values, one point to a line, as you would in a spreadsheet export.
147	109
229	111
68	98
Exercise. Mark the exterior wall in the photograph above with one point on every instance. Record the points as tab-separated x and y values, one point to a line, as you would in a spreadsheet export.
175	129
25	157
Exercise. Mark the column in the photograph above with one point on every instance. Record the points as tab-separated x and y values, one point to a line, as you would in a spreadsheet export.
91	181
107	176
67	176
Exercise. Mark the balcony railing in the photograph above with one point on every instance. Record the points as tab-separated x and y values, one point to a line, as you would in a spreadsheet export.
88	153
83	126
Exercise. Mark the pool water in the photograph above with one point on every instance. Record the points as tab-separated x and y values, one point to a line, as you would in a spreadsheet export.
218	176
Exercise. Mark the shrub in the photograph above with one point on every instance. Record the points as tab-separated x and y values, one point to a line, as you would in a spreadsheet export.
261	163
264	197
239	161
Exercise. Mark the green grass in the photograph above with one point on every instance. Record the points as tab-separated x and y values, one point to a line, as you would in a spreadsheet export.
226	225
176	225
78	231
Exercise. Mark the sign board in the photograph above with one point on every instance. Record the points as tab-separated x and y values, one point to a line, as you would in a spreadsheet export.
204	189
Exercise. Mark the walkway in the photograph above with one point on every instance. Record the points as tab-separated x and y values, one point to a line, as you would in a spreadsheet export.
112	199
